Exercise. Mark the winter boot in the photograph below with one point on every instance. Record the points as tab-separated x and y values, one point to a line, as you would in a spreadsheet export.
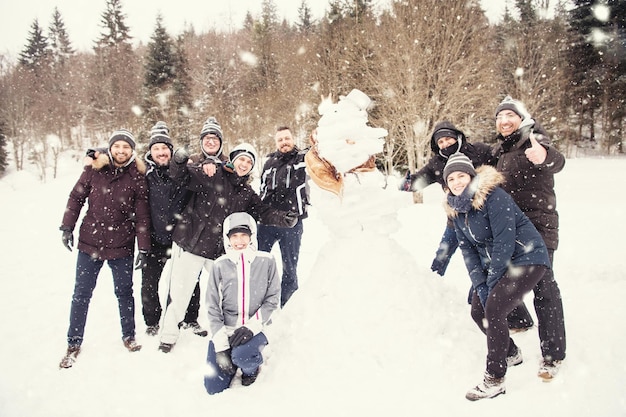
515	359
152	330
166	347
70	356
490	387
548	370
131	344
249	379
195	327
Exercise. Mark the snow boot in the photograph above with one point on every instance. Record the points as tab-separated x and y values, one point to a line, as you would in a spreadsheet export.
515	359
70	356
152	330
195	327
249	379
166	347
548	370
490	387
131	344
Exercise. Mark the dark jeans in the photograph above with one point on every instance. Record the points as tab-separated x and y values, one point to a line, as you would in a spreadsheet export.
289	240
247	357
150	276
550	316
87	270
503	298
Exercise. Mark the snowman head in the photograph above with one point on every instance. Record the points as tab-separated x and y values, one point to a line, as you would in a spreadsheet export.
342	136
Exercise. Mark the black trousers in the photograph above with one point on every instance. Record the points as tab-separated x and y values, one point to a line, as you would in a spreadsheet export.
503	298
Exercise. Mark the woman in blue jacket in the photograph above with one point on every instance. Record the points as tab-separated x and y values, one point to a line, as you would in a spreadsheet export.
504	255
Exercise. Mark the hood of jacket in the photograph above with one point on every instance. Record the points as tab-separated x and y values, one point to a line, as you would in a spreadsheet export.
239	219
486	180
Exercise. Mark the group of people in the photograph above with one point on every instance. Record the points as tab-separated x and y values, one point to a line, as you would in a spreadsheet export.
177	206
189	213
501	209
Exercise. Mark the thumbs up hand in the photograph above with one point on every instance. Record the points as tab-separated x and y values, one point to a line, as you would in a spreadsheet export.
536	153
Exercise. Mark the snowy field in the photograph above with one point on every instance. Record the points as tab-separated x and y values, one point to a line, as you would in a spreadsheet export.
359	343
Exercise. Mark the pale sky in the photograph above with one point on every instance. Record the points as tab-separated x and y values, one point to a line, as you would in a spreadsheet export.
82	17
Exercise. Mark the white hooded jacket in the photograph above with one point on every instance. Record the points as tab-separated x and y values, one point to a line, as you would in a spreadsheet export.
244	286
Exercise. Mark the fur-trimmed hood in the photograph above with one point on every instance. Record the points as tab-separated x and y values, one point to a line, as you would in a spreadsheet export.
103	160
486	180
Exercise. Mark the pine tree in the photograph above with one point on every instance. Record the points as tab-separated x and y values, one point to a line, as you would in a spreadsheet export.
60	45
305	23
159	75
116	85
36	54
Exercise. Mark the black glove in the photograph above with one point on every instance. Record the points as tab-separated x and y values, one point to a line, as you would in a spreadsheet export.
68	239
225	363
291	218
241	336
447	247
142	259
181	156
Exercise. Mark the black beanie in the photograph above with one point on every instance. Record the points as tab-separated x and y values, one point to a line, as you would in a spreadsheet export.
444	129
124	135
458	162
515	106
159	133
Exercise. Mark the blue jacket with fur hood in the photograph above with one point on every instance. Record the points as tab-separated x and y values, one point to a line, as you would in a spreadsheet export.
494	234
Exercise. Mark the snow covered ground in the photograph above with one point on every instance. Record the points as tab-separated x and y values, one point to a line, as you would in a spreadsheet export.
361	343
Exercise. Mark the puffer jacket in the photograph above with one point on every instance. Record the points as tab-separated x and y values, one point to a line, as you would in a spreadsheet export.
212	199
243	289
530	185
494	235
283	182
118	209
167	199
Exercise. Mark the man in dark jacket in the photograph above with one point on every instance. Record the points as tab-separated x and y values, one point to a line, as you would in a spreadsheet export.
198	234
284	187
167	200
445	141
118	212
529	161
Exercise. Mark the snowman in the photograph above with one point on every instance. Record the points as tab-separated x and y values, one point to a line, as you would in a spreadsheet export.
348	191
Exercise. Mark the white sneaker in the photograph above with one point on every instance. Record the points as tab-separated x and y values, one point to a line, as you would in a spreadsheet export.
490	387
548	370
514	360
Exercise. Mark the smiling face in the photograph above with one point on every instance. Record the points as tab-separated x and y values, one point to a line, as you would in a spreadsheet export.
457	182
243	165
507	122
121	152
161	154
239	240
284	141
211	144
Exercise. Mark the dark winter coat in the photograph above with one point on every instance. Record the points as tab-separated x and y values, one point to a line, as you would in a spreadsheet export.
530	185
118	209
167	199
283	182
494	234
212	199
432	172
